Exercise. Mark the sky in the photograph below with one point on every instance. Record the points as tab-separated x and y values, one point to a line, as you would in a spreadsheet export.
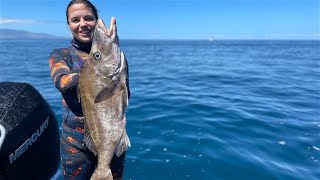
176	19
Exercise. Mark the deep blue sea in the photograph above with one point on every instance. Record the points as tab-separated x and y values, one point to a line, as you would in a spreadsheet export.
205	110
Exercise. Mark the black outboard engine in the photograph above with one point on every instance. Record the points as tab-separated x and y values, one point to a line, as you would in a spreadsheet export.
30	149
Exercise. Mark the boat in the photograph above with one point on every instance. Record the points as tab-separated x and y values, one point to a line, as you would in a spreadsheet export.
29	134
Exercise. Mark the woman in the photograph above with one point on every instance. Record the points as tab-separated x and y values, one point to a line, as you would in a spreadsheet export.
65	63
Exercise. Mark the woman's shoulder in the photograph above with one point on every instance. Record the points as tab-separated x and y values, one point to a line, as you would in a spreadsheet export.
59	54
60	51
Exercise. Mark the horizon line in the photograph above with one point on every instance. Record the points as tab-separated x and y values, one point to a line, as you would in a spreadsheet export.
129	39
211	39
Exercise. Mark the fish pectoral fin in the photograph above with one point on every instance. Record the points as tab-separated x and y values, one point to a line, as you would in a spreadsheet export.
123	144
104	94
88	140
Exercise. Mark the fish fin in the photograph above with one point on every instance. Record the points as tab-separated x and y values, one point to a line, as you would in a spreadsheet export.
88	140
104	93
123	144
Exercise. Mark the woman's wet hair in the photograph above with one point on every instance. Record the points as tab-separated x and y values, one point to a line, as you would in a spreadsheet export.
85	2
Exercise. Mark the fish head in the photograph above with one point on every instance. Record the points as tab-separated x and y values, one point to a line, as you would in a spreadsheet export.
105	55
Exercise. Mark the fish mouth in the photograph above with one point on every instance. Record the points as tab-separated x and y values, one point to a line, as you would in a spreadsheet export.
108	32
101	27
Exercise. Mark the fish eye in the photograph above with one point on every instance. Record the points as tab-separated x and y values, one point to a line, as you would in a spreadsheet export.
97	55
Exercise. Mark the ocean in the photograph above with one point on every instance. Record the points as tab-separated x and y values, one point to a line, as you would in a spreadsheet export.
205	110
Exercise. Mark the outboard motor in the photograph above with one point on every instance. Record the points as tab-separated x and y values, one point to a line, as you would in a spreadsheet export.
30	149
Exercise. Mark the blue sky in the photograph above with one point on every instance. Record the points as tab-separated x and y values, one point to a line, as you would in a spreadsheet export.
177	19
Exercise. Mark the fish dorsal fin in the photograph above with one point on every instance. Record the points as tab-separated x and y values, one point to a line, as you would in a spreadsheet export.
88	140
106	92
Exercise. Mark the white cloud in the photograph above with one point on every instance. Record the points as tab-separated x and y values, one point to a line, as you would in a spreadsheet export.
18	21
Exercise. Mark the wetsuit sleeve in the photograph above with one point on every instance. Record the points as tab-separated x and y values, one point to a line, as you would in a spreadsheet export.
60	72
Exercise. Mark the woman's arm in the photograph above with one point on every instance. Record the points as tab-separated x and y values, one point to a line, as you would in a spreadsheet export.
61	74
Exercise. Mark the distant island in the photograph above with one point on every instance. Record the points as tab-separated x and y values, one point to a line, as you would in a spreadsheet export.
6	34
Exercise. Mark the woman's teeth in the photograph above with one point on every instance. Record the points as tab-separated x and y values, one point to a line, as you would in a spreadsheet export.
85	32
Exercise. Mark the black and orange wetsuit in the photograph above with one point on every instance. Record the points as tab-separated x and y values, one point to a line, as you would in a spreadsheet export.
77	161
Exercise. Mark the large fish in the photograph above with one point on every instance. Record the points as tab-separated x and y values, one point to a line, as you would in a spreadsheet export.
103	88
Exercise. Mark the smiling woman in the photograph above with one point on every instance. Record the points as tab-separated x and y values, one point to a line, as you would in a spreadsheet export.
78	162
82	21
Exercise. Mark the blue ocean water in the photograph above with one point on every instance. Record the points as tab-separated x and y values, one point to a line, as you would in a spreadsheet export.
206	109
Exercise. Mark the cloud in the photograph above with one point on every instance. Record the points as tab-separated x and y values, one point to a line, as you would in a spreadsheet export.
19	21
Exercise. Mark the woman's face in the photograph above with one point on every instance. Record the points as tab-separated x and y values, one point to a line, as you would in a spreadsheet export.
81	22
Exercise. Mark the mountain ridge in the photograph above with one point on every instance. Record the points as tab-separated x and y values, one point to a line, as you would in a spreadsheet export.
7	34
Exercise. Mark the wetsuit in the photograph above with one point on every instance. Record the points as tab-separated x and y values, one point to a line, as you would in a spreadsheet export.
77	161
